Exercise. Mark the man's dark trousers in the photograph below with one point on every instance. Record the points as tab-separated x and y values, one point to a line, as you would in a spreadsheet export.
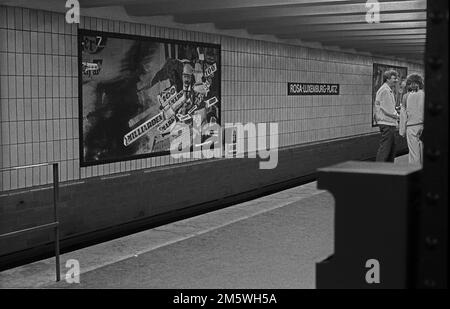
386	150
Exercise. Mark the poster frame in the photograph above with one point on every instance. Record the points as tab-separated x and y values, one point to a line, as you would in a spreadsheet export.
88	32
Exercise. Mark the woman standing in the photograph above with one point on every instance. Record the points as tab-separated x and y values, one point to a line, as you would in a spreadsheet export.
414	118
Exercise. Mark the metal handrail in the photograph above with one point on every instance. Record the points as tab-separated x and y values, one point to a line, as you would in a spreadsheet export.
52	225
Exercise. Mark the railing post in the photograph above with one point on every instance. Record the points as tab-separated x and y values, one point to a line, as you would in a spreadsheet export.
52	225
56	219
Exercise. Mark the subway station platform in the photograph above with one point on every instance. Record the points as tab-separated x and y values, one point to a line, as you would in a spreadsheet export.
271	242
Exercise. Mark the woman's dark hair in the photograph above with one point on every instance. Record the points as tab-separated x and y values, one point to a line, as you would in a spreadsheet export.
414	78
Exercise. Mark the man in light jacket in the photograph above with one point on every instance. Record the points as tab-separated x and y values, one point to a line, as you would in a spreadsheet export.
387	116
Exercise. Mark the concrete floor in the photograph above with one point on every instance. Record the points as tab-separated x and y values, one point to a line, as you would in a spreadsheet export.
271	242
249	245
276	249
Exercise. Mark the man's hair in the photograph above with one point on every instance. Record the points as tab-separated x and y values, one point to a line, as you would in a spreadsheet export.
388	74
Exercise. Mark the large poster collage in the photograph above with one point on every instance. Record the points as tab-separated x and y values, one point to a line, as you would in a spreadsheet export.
135	90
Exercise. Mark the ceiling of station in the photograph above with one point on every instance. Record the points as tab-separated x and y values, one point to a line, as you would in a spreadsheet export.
400	32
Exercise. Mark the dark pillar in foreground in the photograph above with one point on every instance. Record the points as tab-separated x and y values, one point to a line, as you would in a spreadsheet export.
433	224
375	212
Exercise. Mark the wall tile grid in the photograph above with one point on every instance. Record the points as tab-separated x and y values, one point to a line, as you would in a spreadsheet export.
39	92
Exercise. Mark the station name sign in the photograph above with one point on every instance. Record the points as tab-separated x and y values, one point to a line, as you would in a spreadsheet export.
312	89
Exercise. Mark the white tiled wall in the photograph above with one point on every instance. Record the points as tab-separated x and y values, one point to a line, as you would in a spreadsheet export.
39	92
